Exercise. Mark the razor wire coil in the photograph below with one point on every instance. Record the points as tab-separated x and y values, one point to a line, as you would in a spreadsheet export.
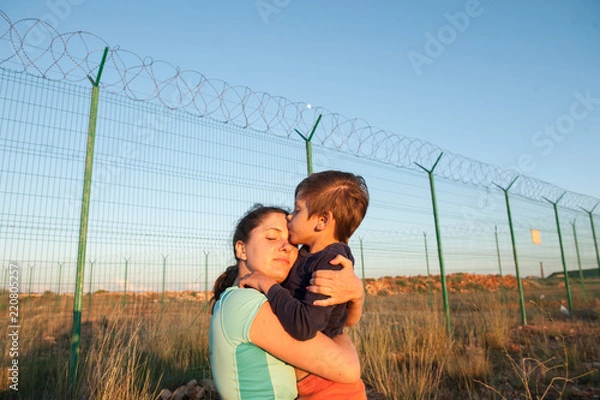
34	47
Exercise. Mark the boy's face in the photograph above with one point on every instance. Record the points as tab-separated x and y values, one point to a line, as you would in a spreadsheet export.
301	227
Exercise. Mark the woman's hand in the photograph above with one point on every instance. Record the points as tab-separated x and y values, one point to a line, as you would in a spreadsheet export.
341	286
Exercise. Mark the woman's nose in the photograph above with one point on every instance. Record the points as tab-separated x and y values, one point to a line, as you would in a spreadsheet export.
288	217
287	247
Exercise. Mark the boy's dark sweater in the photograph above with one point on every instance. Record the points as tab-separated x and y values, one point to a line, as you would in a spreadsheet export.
292	303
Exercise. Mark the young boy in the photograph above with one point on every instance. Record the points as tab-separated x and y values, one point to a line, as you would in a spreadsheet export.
329	207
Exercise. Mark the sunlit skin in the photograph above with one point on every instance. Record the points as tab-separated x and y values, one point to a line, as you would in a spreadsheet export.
302	227
268	250
269	266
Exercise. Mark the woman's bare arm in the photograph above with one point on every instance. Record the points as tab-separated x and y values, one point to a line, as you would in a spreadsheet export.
335	360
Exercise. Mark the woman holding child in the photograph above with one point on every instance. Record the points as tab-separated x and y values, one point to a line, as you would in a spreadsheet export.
250	352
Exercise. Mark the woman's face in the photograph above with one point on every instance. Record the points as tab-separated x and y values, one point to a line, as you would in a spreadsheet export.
268	249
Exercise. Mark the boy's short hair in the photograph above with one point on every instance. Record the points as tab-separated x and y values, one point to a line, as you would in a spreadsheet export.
343	193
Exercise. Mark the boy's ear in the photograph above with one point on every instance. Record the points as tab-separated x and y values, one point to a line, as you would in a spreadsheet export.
240	250
325	220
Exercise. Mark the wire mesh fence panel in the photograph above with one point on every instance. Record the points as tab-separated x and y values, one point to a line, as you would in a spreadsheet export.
178	161
168	187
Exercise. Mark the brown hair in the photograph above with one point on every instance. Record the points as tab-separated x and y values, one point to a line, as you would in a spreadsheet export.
343	193
253	218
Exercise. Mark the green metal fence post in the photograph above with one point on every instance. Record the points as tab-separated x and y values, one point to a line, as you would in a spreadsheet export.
499	265
514	249
579	262
439	242
206	275
362	265
125	284
162	300
5	287
594	234
562	251
59	278
58	302
429	284
308	139
90	285
85	207
31	267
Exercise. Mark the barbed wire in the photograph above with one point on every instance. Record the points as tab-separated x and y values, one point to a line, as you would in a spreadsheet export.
34	47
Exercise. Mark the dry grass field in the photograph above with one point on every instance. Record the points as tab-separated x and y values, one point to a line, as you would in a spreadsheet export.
134	351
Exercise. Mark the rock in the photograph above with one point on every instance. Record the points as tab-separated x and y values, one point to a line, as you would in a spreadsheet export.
191	384
179	393
196	393
165	394
193	391
208	385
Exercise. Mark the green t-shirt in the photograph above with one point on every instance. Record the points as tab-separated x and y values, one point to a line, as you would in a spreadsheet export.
240	369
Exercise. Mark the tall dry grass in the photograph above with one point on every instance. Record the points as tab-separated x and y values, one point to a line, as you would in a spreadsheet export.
407	354
133	352
127	352
403	352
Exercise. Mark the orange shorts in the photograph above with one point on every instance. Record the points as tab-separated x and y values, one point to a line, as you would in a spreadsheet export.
313	387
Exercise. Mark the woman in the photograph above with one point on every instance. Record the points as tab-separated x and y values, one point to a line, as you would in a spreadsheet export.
249	349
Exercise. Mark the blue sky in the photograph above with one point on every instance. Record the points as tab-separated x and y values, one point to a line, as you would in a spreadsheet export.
510	83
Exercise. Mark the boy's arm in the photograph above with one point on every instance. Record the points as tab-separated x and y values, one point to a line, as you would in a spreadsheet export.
341	286
259	281
299	318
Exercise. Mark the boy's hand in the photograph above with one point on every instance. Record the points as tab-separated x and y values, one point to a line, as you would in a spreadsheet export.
259	281
341	286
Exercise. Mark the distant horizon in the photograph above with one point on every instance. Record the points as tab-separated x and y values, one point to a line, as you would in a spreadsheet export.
589	273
